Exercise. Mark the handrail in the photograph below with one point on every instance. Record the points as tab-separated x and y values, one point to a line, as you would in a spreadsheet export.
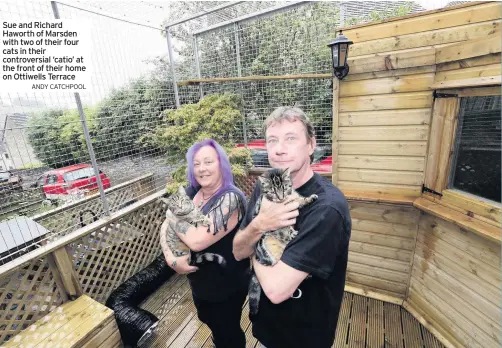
73	236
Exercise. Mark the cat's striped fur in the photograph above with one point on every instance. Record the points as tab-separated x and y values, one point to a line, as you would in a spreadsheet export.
182	208
276	186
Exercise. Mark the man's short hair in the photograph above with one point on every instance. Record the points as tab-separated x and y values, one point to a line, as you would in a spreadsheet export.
291	114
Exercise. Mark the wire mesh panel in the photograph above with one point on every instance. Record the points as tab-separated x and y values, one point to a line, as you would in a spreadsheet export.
46	161
46	171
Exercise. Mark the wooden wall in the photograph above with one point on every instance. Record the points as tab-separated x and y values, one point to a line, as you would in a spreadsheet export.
381	249
455	283
448	277
384	107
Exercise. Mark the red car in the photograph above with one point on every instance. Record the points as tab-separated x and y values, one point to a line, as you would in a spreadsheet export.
59	183
258	148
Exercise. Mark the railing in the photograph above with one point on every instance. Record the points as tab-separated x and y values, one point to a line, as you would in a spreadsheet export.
93	260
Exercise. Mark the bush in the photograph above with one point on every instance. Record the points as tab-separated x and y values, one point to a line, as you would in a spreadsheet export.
216	116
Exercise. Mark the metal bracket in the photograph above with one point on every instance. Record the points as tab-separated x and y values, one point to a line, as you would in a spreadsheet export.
426	189
443	95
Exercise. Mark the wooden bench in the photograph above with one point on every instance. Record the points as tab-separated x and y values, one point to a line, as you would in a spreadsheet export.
79	323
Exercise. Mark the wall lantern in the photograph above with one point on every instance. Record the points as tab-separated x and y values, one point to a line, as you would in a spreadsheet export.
340	52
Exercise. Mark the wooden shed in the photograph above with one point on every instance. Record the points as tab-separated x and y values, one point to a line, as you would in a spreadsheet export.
416	148
420	238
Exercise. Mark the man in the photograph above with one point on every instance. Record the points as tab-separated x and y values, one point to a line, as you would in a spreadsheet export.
297	310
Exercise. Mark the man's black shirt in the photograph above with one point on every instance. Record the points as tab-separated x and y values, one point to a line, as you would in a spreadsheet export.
321	250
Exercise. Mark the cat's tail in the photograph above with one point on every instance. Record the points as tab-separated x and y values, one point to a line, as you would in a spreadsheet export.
254	294
209	257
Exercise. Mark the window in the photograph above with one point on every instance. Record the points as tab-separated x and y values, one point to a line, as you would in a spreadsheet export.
52	179
79	174
6	155
476	160
41	180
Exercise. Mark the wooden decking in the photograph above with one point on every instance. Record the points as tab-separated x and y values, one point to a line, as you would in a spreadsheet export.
363	322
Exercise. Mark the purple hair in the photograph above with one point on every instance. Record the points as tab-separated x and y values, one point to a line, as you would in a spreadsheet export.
226	171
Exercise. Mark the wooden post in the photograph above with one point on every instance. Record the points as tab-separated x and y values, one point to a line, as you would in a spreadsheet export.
334	154
61	259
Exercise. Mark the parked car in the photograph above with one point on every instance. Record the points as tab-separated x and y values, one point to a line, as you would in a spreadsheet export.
78	178
10	182
322	162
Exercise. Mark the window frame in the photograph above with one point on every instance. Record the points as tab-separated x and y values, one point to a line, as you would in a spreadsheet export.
443	133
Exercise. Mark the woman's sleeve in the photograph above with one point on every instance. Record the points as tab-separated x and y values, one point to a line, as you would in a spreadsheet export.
223	209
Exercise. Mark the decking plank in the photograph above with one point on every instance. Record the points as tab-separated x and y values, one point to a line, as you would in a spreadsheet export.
343	321
375	337
393	328
363	322
357	330
411	331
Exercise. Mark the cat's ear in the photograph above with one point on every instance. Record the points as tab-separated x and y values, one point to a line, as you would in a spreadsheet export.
181	190
286	173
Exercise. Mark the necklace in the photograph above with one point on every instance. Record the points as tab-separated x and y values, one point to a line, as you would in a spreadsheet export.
201	203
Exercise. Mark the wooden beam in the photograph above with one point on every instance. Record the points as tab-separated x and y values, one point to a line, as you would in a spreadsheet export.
428	38
473	205
335	136
469	62
396	84
469	49
378	188
411	58
425	21
468	73
373	293
390	73
414	100
482	229
370	197
474	82
385	148
406	117
382	162
384	133
253	78
380	176
69	277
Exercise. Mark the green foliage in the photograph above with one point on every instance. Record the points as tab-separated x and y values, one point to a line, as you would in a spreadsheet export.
57	136
127	114
215	116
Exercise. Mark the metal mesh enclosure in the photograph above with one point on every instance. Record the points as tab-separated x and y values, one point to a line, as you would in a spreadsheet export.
47	170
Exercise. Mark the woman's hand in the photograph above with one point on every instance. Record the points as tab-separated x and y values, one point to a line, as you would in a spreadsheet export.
180	265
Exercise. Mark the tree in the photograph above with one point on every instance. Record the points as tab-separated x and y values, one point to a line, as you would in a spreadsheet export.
215	117
57	136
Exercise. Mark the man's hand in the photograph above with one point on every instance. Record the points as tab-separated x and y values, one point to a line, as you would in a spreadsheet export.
273	216
180	265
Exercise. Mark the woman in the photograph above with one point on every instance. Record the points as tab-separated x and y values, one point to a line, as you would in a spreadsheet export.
218	293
